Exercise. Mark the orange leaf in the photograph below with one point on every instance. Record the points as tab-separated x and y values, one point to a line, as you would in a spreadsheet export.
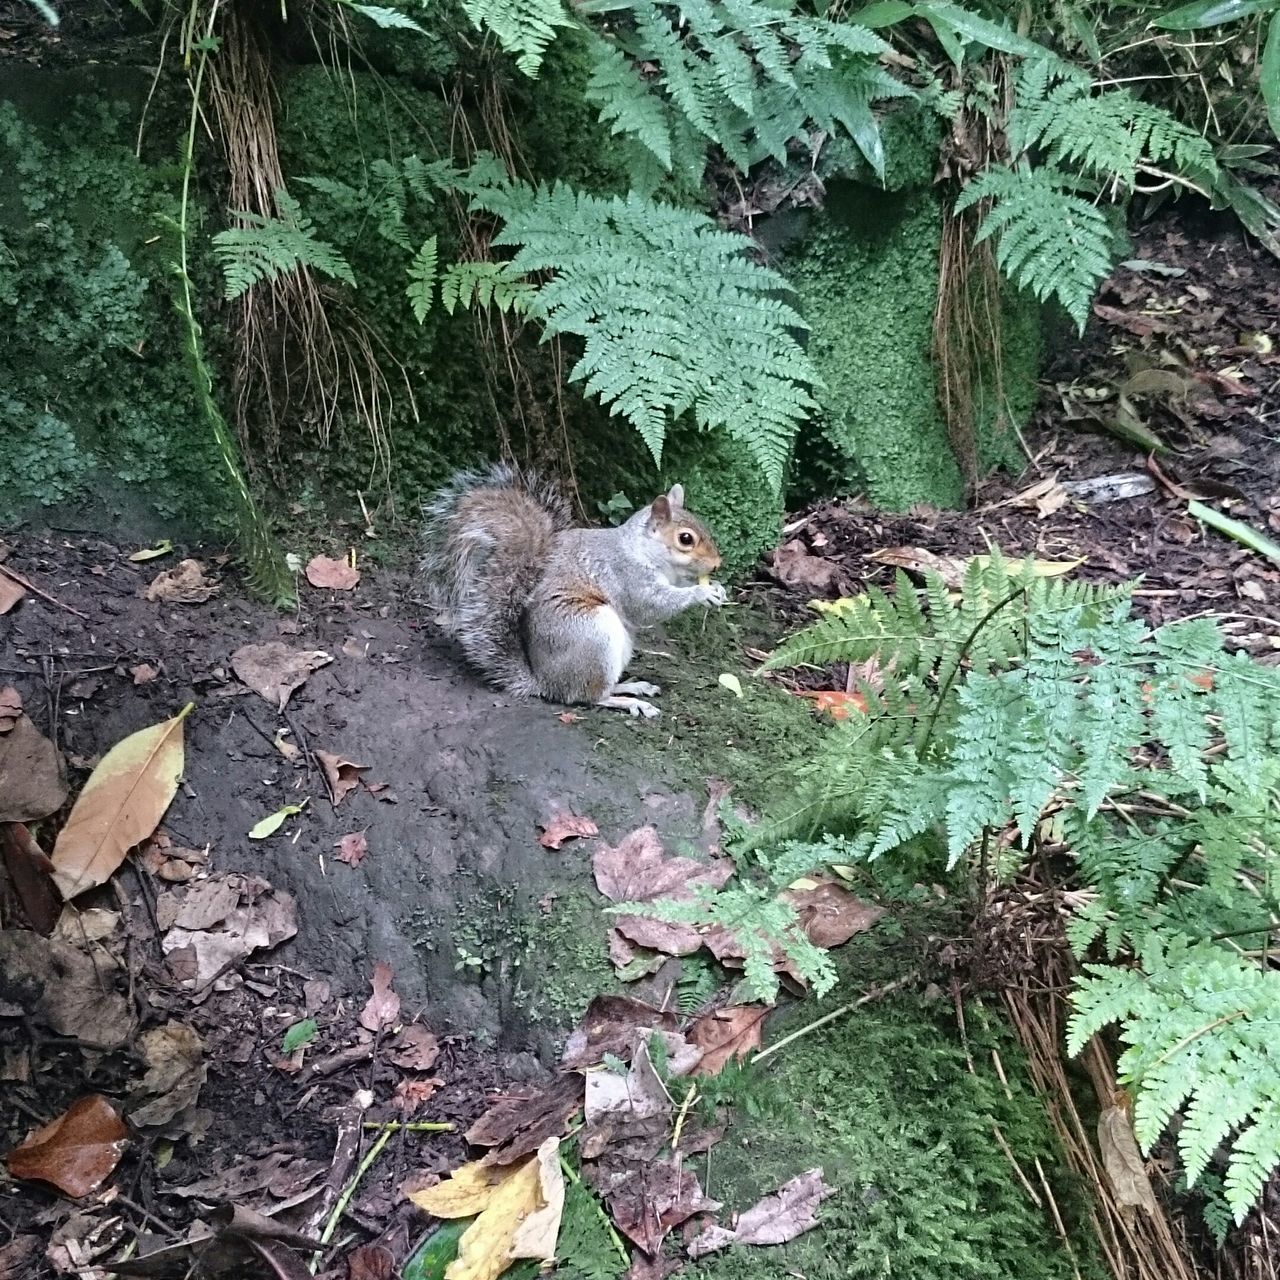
836	703
76	1152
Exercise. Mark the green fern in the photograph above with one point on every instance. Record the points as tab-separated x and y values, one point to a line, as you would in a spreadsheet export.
1050	239
486	284
267	248
422	279
675	315
523	27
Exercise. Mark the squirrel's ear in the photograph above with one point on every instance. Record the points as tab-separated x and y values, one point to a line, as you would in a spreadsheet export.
675	495
661	509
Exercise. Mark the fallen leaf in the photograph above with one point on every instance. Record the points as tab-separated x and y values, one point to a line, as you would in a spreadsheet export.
788	1212
176	1070
409	1095
82	927
77	1152
383	1007
829	914
31	877
336	575
565	826
280	1173
617	1106
183	584
952	569
161	548
637	870
10	592
519	1211
609	1029
352	849
120	806
10	708
519	1122
726	1035
287	749
647	1197
171	862
342	776
371	1262
568	717
1126	1170
143	673
250	916
835	702
300	1034
32	776
731	682
793	566
414	1048
69	991
273	822
274	671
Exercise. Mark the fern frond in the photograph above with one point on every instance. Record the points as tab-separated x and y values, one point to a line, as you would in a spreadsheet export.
267	248
523	27
422	279
486	284
627	104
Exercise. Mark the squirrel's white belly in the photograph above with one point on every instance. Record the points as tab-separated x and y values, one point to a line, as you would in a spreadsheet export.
618	640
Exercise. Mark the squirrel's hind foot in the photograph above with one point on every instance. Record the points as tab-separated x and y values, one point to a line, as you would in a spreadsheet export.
637	688
634	706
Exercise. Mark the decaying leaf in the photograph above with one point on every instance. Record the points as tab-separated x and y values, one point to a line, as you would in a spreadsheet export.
336	575
409	1095
183	584
565	826
279	1173
611	1027
647	1197
793	566
518	1208
77	1152
615	1106
143	673
829	914
414	1048
219	922
727	1034
272	823
171	862
176	1070
519	1122
33	781
637	870
31	876
341	776
352	849
383	1007
120	806
82	927
66	989
274	671
1126	1169
788	1212
10	707
951	569
10	592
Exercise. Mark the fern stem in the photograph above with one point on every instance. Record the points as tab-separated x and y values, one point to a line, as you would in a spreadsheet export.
1196	1034
878	993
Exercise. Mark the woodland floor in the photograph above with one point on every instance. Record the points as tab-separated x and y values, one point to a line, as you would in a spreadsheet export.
493	941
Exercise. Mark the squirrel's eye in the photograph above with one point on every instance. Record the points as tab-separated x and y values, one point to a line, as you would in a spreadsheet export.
686	539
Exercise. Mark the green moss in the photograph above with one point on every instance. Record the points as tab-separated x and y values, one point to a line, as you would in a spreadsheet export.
883	1101
95	383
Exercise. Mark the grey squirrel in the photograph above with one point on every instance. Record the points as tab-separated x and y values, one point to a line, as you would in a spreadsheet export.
543	608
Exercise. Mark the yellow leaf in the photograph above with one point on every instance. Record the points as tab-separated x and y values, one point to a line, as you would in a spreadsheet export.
120	806
519	1212
152	553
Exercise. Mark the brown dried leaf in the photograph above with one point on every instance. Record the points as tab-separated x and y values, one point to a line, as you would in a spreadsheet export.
82	927
409	1095
274	671
646	1198
77	1152
829	914
185	583
32	777
176	1070
1126	1170
414	1049
793	566
280	1173
383	1007
120	806
517	1123
10	707
352	849
10	592
610	1026
143	673
31	875
788	1212
341	776
565	826
336	575
725	1034
69	991
635	1105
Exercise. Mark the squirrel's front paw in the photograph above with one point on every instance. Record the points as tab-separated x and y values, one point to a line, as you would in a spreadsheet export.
639	707
712	593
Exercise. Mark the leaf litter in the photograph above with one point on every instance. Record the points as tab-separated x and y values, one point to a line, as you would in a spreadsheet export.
274	671
77	1152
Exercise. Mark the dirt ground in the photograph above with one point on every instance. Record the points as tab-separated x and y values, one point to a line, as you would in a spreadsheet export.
493	942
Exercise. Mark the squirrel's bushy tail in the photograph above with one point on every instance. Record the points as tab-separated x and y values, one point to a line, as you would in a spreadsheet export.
487	537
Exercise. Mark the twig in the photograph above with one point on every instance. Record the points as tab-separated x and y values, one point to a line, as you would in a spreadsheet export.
689	1099
348	1191
414	1126
15	576
875	994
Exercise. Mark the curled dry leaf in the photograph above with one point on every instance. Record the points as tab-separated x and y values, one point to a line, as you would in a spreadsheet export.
829	914
409	1095
610	1028
1126	1169
519	1122
183	584
120	806
414	1049
341	776
10	592
565	826
336	575
83	927
77	1152
31	876
176	1070
352	849
143	673
274	671
32	777
383	1007
788	1212
794	566
519	1210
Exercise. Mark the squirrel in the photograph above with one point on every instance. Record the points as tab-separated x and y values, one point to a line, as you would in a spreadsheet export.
545	609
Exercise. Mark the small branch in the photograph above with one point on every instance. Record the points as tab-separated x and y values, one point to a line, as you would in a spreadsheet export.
14	576
414	1126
